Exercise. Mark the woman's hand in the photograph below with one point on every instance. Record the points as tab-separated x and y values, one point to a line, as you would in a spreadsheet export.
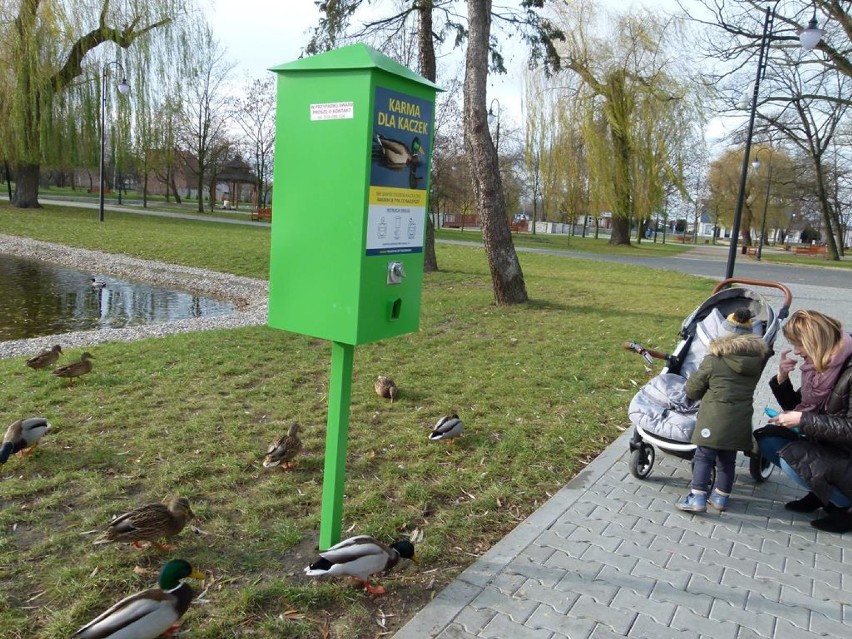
787	419
785	365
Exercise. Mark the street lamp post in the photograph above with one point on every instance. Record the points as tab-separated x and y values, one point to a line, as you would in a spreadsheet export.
809	38
492	117
124	88
756	165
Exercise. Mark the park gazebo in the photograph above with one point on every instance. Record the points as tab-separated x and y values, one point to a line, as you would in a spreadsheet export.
236	182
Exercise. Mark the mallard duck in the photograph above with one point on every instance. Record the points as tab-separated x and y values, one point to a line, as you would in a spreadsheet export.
75	369
386	388
361	557
149	523
448	427
45	358
22	437
150	613
97	283
396	152
281	452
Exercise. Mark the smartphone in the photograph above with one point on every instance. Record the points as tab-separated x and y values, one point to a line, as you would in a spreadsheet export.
770	412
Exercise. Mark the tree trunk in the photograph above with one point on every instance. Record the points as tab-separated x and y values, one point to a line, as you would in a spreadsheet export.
506	275
831	245
428	69
26	186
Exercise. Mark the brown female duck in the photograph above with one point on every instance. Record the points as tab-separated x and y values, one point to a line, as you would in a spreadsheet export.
281	452
45	358
385	387
150	523
75	369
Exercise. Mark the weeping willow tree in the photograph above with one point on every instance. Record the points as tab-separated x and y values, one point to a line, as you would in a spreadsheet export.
54	54
635	89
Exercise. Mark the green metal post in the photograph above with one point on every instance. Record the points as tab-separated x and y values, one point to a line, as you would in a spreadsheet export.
336	440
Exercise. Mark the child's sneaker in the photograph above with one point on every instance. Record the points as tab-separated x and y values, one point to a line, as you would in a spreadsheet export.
718	501
693	503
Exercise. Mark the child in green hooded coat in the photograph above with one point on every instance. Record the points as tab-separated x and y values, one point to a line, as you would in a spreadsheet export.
725	383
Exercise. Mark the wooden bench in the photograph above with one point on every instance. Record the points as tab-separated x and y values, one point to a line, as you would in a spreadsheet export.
261	215
751	250
809	250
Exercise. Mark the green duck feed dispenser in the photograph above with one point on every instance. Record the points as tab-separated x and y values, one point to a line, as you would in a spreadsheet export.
354	134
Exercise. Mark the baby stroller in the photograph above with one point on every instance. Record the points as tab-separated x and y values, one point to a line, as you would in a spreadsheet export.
661	414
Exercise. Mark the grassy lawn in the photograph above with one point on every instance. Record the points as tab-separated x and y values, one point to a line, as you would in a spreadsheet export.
542	388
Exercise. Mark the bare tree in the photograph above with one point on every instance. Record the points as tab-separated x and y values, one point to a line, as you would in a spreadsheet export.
204	113
255	115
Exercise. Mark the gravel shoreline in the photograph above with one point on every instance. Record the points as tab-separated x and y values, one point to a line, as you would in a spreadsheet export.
248	295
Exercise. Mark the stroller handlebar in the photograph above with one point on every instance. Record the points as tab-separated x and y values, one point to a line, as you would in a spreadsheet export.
788	296
647	353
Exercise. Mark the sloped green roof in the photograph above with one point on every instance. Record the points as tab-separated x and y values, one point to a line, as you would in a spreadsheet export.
354	56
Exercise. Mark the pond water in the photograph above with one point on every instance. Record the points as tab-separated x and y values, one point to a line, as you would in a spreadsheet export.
39	298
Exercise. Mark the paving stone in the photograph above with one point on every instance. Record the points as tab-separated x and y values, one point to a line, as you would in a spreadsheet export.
596	554
517	608
661	612
822	625
700	585
762	624
546	574
587	607
697	604
685	619
580	585
832	609
560	600
646	628
451	632
764	587
614	577
448	603
472	621
672	578
746	566
794	614
785	630
566	625
503	627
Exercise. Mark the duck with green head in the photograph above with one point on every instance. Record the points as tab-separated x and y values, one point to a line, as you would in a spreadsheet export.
397	153
22	437
361	557
150	613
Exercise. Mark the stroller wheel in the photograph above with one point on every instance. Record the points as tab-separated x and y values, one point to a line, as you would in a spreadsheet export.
760	468
642	461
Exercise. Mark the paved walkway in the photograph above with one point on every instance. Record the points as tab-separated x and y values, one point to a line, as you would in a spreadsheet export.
610	556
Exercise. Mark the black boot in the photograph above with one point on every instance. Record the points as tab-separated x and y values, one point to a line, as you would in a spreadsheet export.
840	521
807	504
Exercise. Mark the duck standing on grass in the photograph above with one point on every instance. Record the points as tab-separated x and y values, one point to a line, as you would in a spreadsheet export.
448	427
150	613
22	437
97	283
361	557
385	387
45	358
75	369
282	451
150	523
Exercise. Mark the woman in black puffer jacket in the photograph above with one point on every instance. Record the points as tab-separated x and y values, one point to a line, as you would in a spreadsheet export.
816	447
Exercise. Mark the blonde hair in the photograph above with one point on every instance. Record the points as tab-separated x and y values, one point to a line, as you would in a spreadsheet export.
817	335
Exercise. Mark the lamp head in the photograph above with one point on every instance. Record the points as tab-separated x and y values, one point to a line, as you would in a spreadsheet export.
491	117
755	164
811	36
123	87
